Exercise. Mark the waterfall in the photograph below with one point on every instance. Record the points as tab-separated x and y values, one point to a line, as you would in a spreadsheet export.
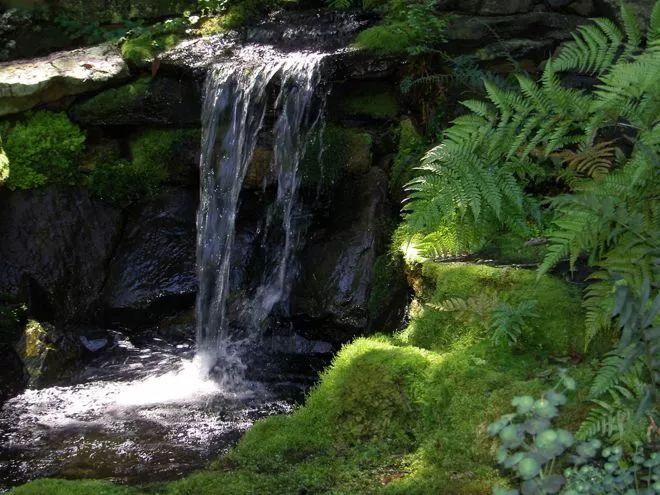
236	101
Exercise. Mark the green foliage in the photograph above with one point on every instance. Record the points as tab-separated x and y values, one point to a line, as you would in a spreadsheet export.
510	322
607	470
91	31
532	449
603	144
44	148
109	101
144	44
408	27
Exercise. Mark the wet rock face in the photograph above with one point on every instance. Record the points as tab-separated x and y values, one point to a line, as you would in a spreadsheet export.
46	353
28	83
153	271
337	265
55	245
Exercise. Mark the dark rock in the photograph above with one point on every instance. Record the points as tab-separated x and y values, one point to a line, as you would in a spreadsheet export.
158	101
338	262
56	243
555	4
498	7
476	31
12	376
153	271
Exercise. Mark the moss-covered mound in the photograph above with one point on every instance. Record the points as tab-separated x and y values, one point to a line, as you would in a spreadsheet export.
402	414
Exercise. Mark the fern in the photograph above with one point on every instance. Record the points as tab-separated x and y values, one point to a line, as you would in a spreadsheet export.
615	417
510	322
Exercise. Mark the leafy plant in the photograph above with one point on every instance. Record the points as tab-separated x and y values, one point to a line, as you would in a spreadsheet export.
534	452
599	470
510	322
529	445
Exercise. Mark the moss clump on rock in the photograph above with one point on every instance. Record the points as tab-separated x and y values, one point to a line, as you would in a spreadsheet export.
409	153
157	156
43	148
113	100
164	151
558	331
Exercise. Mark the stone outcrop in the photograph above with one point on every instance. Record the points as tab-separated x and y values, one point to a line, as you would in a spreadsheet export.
28	83
153	271
338	262
55	245
46	353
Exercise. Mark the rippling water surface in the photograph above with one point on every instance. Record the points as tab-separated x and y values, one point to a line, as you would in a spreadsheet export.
135	414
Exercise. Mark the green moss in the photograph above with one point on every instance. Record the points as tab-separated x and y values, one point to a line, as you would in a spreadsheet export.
62	487
44	148
114	99
557	332
163	151
371	101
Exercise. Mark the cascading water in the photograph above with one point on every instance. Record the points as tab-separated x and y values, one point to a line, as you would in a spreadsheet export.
152	406
236	102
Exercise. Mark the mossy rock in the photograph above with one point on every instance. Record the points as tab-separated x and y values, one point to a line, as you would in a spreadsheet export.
46	353
174	152
344	151
370	100
159	101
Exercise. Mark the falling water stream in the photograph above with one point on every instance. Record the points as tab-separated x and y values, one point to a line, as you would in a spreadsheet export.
236	96
159	408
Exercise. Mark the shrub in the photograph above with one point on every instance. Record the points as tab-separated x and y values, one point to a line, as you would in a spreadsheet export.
43	149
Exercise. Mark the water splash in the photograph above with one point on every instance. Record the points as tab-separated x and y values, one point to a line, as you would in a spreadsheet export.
234	111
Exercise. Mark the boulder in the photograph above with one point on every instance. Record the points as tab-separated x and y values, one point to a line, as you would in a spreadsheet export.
147	101
56	243
477	31
47	353
337	264
25	84
153	271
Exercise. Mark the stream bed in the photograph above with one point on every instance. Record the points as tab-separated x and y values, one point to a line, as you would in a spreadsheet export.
137	413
